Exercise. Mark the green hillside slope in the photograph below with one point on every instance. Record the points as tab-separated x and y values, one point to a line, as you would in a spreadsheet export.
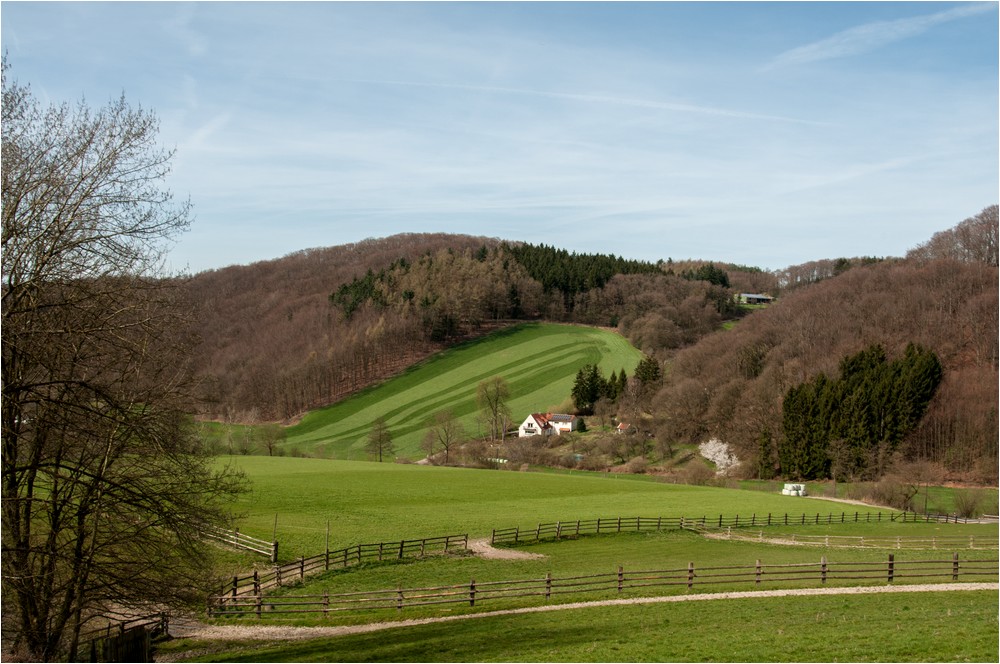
538	361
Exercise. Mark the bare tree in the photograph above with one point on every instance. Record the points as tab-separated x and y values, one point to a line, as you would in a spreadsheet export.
444	433
379	440
492	397
104	493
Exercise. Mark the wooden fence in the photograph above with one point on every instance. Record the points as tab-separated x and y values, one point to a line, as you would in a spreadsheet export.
866	542
684	578
560	529
129	641
253	584
238	540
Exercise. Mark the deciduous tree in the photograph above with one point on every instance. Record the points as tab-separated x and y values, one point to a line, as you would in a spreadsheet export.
104	494
380	440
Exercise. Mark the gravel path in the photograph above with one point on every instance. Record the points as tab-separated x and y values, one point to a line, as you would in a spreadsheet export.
484	549
280	633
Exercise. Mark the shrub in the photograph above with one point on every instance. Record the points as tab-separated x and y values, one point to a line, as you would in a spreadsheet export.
969	503
636	465
696	473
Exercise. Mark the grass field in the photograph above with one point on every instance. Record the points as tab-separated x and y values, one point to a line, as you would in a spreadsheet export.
920	627
539	361
372	502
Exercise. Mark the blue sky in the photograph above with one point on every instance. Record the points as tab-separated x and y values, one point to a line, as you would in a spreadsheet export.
767	134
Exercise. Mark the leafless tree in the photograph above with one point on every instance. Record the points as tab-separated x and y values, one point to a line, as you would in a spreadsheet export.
379	440
444	433
104	494
492	397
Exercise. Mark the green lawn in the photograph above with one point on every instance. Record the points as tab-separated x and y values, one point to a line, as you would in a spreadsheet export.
539	361
374	502
958	626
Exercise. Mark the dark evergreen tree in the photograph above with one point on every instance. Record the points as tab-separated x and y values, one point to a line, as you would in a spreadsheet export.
868	411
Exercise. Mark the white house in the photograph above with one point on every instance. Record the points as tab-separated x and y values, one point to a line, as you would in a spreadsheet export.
544	424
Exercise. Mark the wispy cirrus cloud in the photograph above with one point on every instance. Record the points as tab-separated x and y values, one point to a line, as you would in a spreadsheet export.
872	36
600	99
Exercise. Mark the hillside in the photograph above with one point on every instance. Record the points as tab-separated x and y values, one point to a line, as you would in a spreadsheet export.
538	362
731	385
279	338
283	337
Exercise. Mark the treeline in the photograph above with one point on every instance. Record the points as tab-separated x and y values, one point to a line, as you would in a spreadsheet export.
732	385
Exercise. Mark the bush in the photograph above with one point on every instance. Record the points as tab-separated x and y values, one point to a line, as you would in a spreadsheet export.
636	465
969	503
892	493
696	473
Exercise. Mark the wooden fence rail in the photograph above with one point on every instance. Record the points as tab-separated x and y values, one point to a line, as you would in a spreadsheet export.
281	575
562	529
127	641
866	541
238	540
690	577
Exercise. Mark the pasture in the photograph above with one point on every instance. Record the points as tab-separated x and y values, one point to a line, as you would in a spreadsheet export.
372	502
539	361
920	627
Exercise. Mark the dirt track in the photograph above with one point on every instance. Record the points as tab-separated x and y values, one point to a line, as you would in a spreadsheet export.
279	633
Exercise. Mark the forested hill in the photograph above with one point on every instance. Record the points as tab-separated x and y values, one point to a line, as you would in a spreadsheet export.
284	336
941	299
281	337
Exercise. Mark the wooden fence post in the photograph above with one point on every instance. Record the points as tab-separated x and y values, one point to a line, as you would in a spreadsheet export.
256	583
621	578
891	568
493	538
758	572
954	566
401	543
558	529
472	592
399	597
236	581
548	586
822	575
274	552
326	603
690	575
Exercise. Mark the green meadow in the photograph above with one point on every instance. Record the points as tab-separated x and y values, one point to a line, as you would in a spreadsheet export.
918	627
367	502
539	361
371	502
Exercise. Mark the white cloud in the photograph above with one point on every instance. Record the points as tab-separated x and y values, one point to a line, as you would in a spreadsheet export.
872	36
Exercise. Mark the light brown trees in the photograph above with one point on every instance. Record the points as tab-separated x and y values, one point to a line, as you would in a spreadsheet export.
444	433
379	443
492	395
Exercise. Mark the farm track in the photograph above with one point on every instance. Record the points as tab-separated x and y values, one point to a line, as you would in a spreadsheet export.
195	630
